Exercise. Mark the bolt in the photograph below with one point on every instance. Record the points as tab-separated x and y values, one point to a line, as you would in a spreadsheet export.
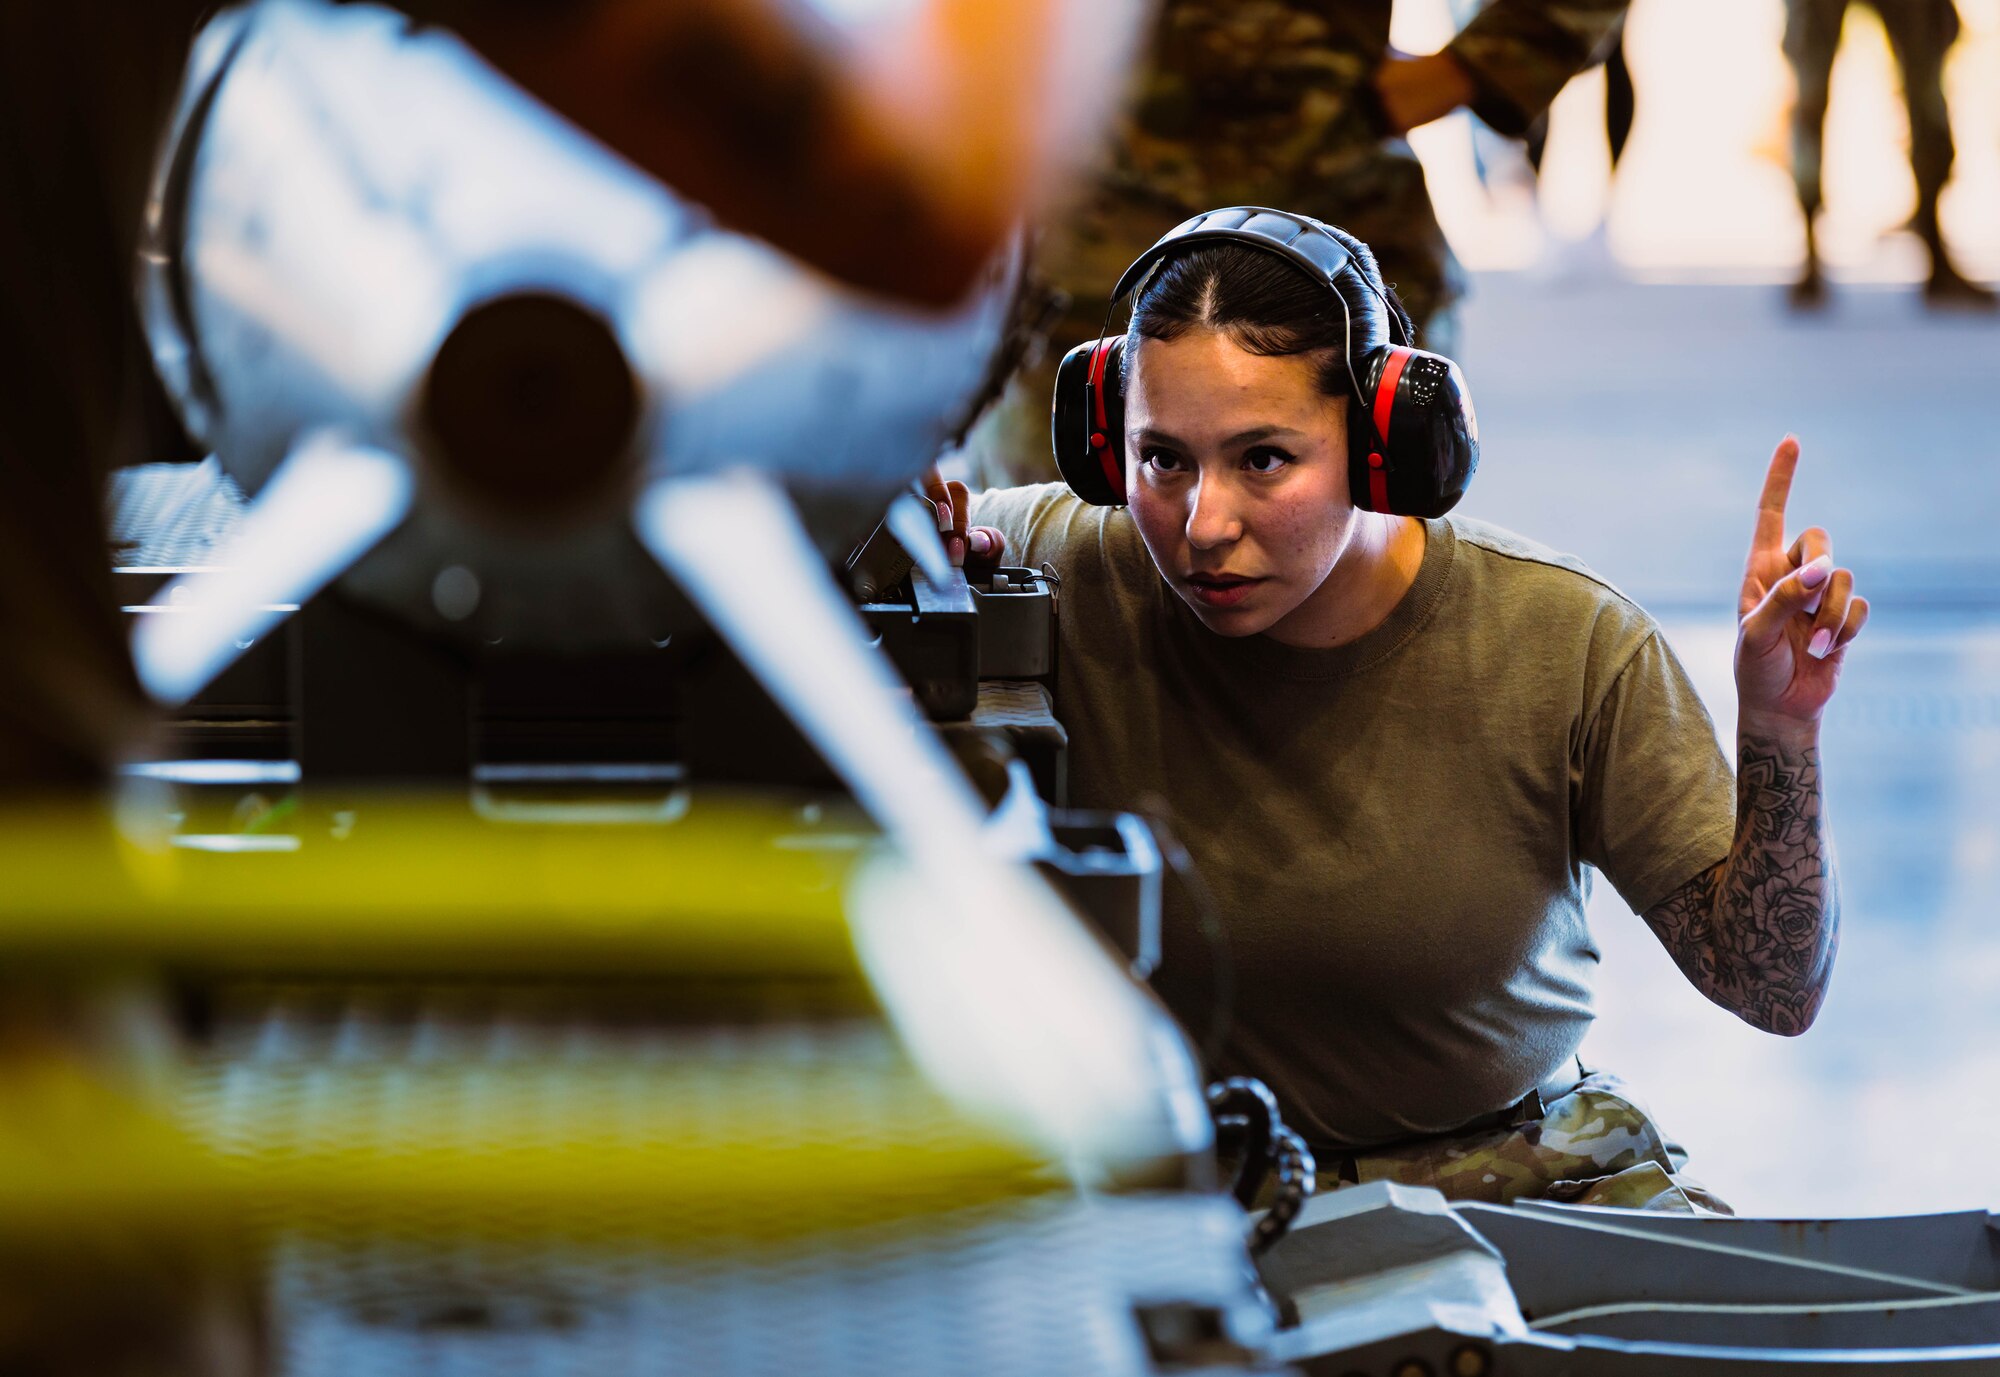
455	592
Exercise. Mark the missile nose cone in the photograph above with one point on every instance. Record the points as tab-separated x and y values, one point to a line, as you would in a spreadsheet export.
530	408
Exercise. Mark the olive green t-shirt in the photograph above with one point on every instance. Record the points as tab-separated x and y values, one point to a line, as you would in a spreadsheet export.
1395	831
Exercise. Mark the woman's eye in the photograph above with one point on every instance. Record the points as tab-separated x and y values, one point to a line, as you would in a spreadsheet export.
1165	461
1266	460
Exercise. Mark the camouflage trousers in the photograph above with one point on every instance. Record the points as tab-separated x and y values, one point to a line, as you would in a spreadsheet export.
1920	33
1595	1145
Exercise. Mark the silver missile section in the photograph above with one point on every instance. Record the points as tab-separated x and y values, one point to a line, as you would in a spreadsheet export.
359	227
368	252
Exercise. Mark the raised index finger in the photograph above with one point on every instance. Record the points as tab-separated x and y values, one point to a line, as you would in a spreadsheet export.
1770	534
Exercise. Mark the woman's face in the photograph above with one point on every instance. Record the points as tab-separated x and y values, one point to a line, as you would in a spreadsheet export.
1236	473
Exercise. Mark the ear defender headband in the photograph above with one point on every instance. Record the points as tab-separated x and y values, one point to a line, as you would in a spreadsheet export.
1413	444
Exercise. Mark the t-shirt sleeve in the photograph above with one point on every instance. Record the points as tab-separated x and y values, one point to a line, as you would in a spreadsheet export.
1043	523
1656	800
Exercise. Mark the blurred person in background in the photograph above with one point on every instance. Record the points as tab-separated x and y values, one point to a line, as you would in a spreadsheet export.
1620	99
1295	103
1592	255
897	160
1920	33
1620	105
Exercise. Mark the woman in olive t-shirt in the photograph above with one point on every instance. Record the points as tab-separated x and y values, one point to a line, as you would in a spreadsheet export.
1393	746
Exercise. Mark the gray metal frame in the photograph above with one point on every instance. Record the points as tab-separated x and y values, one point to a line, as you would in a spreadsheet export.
1392	1278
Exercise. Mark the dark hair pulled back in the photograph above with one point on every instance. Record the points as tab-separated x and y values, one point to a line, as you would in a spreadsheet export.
1263	303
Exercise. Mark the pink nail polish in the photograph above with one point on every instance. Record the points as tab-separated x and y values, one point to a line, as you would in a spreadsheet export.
1821	642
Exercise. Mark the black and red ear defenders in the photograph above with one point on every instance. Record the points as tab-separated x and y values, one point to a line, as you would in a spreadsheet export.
1413	446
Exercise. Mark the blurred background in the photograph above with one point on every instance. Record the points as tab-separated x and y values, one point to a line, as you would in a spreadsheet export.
1635	360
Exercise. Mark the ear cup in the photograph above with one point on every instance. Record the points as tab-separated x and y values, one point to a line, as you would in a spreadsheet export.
1087	423
1416	448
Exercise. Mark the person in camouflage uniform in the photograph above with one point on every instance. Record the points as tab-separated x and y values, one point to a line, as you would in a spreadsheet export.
1920	33
1292	103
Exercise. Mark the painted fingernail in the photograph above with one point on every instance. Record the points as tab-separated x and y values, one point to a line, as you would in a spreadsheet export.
1814	574
980	541
954	547
1821	642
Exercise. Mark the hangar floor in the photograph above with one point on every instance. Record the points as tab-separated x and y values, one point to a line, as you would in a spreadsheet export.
1630	424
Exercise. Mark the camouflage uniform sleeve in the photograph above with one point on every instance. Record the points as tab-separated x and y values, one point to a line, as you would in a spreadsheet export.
1519	53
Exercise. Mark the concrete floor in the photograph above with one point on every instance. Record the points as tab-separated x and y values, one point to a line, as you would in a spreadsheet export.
1631	425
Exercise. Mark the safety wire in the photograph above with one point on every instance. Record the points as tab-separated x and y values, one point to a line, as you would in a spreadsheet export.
1297	1176
1268	1151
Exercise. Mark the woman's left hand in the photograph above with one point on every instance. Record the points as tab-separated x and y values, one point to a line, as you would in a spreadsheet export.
1796	617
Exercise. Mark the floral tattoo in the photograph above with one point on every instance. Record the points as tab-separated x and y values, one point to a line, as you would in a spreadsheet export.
1757	932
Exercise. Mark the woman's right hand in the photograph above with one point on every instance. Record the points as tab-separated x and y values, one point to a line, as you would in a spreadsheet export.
976	549
984	549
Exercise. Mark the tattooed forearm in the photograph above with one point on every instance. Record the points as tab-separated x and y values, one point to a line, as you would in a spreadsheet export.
1758	931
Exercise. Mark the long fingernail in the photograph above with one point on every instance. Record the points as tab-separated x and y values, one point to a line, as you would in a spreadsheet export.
954	547
981	543
1821	642
1814	574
